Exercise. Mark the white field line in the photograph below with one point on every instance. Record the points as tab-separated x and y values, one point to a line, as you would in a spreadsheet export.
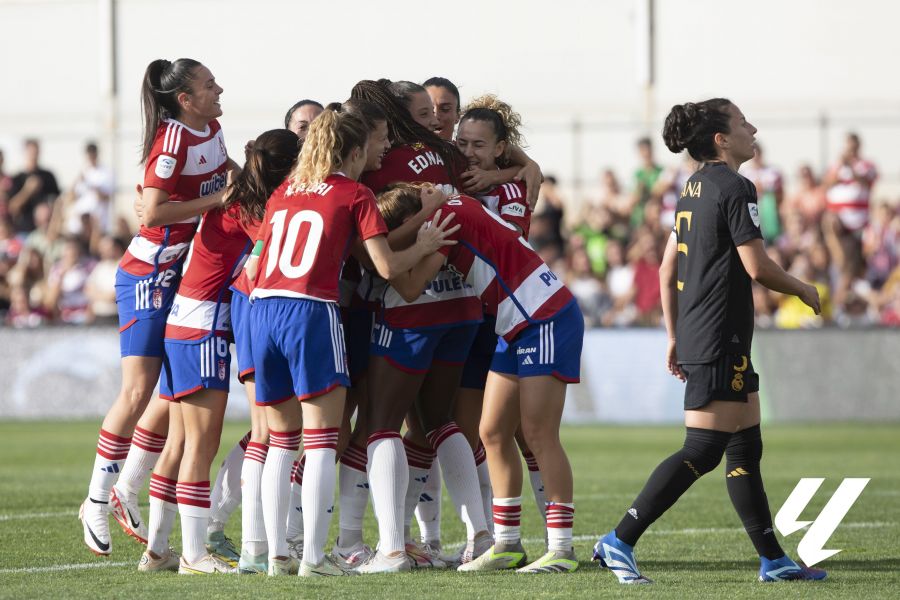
40	515
76	567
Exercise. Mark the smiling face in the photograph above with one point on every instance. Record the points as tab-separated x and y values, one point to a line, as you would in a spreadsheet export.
446	110
478	142
302	117
202	102
422	111
379	143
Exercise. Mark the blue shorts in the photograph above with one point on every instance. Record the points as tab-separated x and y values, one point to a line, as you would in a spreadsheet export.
189	366
143	303
478	363
357	332
413	350
549	348
240	326
298	349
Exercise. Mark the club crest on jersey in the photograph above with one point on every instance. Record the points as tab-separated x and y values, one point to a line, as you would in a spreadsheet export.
754	213
157	298
221	370
165	166
418	146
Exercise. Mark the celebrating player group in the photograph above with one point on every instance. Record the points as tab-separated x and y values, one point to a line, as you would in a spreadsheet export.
370	265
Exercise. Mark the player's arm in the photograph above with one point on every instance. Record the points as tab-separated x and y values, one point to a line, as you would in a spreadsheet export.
431	237
411	283
405	235
765	271
155	209
252	264
523	169
668	291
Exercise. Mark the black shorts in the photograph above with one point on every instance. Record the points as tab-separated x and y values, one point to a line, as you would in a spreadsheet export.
729	377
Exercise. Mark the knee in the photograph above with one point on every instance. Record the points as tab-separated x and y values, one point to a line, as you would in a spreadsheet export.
135	396
703	449
744	448
493	434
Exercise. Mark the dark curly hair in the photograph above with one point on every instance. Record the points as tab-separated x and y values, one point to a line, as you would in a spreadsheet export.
694	125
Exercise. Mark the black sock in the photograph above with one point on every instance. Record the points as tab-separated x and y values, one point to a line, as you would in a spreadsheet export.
745	486
701	453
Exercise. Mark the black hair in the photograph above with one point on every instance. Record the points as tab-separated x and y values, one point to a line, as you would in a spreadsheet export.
163	81
447	85
91	148
367	112
270	159
404	90
694	125
645	141
402	128
300	104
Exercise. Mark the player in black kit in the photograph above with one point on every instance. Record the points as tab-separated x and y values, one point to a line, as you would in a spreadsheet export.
712	257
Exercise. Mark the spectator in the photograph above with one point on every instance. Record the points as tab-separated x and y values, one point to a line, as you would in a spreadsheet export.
620	281
28	276
889	300
594	233
881	244
612	198
849	186
792	313
551	210
645	179
66	298
22	314
6	183
90	197
33	186
769	193
588	290
100	287
668	189
44	237
807	200
644	257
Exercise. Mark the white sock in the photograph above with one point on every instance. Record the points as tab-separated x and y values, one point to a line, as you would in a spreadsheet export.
295	512
354	495
388	480
419	460
193	508
275	488
226	494
253	527
537	484
146	447
455	454
111	453
428	510
163	507
560	520
320	475
507	520
484	482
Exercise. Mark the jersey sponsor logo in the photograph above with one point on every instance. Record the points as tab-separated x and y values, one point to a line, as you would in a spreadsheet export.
213	184
165	166
515	210
441	285
422	161
754	213
531	350
548	277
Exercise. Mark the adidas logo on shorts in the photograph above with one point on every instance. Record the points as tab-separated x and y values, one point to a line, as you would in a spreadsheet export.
528	361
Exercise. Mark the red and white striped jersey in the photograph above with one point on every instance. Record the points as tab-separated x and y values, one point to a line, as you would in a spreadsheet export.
413	163
849	197
503	269
508	201
306	236
216	257
187	164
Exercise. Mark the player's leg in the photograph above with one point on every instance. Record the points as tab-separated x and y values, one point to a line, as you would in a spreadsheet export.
420	458
225	497
146	446
254	545
353	481
534	475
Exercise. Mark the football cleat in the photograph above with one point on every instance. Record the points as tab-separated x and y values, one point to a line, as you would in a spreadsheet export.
327	568
474	549
219	544
424	557
618	557
785	569
253	565
555	561
169	561
497	558
284	566
94	518
381	563
295	547
352	556
207	565
125	511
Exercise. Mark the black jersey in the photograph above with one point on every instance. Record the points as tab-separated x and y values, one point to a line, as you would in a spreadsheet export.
717	212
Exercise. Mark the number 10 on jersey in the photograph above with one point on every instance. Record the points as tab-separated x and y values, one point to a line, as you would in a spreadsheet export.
281	256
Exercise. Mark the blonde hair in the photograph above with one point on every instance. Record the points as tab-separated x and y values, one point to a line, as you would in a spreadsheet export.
511	120
328	143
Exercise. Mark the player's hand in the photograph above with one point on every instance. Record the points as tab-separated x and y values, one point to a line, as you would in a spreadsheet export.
531	174
432	198
434	234
139	202
810	297
672	362
475	179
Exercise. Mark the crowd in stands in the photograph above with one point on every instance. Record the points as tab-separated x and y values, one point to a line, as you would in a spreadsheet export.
59	247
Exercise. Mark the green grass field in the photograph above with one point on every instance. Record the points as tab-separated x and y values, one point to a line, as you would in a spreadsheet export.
697	550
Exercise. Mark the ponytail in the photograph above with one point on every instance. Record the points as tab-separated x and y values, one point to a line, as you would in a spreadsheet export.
163	81
270	159
331	138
